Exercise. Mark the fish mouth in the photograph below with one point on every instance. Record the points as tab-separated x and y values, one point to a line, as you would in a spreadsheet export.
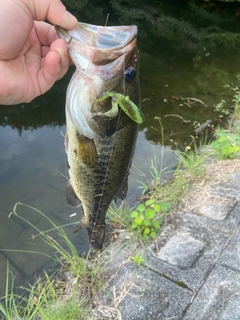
100	44
101	37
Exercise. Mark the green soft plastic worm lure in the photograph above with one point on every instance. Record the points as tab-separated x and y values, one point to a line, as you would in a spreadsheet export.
122	101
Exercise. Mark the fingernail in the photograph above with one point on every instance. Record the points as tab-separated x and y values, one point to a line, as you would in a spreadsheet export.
71	18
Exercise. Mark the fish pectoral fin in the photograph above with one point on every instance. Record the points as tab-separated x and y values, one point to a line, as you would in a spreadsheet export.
87	150
84	224
79	227
71	196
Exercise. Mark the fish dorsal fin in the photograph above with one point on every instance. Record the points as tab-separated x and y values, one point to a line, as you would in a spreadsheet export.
87	150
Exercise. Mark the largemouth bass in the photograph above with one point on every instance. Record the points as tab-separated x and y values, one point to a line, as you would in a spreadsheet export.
102	117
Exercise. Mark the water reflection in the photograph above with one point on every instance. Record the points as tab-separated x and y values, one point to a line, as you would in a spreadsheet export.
165	82
46	110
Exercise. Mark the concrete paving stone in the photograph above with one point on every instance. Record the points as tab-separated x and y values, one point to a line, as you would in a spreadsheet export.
181	250
226	189
193	267
235	177
226	225
231	255
216	212
118	253
210	301
218	298
232	309
137	293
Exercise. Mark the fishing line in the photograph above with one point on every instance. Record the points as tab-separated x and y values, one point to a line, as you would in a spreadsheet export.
111	152
106	20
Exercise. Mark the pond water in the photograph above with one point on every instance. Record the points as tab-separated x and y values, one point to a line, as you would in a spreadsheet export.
33	161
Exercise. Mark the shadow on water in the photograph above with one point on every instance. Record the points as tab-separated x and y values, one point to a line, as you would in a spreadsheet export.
33	160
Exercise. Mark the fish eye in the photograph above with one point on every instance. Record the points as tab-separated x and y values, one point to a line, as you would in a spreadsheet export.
130	74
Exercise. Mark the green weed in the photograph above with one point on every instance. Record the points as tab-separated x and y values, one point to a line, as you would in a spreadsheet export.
138	259
144	218
119	215
220	108
191	162
42	301
227	144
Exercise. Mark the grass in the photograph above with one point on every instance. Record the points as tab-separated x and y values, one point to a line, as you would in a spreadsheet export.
42	301
190	168
65	295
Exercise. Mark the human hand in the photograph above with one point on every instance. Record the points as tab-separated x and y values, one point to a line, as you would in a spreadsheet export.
32	57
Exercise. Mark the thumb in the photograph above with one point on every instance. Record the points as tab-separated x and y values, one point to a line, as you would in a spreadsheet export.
52	10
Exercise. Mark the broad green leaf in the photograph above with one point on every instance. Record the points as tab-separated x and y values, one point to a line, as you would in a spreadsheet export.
147	222
157	207
215	144
134	214
146	231
138	259
221	133
138	221
149	202
153	235
141	207
223	152
164	206
156	224
150	213
232	149
222	139
134	226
